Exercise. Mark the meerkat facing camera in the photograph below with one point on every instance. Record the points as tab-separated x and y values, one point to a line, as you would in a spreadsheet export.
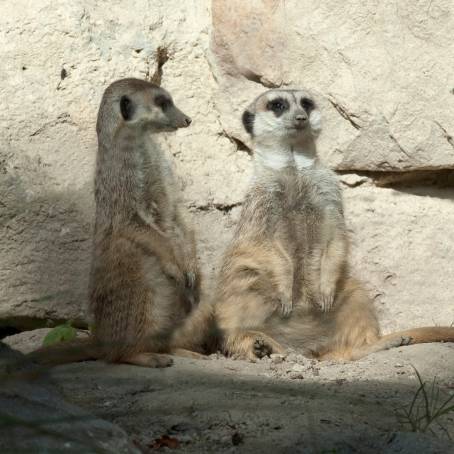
285	279
144	279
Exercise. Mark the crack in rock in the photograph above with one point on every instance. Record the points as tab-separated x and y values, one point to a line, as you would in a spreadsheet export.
441	178
446	135
405	152
344	113
61	119
240	145
258	79
353	180
223	207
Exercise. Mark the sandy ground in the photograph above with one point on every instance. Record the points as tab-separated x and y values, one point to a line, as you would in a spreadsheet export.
274	405
217	405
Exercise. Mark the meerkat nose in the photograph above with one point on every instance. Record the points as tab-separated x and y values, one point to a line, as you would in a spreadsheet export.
188	121
300	117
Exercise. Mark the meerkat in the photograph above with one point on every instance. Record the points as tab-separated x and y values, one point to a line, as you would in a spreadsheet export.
144	280
285	279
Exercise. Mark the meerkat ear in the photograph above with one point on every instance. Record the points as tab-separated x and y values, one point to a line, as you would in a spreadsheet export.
248	121
126	108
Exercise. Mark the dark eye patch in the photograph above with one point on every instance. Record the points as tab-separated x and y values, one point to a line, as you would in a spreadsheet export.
307	104
163	101
278	106
126	108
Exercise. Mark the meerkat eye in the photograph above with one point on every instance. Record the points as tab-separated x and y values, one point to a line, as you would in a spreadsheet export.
307	104
126	108
164	102
278	105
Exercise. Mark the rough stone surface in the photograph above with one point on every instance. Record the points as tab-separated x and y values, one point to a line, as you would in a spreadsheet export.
383	73
35	418
212	406
27	341
402	249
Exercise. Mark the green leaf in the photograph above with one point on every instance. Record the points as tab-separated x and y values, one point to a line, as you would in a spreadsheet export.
60	333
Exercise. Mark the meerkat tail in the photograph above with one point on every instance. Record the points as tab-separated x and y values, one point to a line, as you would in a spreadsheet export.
422	335
66	352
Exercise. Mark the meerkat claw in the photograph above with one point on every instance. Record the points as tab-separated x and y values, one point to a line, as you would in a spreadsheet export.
286	306
327	302
190	279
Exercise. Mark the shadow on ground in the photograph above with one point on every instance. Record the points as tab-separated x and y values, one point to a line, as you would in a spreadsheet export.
233	406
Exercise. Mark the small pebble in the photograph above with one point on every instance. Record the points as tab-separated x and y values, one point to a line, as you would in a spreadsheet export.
276	358
237	438
301	359
296	376
298	368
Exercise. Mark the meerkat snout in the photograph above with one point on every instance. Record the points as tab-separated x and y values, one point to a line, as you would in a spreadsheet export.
180	119
176	117
300	119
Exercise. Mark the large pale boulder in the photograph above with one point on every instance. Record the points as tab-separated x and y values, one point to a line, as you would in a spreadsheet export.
36	418
384	72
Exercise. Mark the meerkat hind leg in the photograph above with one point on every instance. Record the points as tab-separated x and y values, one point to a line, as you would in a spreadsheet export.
355	331
148	360
252	345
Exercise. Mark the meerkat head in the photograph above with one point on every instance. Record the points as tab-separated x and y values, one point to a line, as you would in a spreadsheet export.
138	103
282	115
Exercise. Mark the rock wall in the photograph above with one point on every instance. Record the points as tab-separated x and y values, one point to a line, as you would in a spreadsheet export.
384	77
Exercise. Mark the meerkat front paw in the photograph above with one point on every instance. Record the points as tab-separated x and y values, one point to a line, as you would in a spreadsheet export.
326	296
192	288
285	305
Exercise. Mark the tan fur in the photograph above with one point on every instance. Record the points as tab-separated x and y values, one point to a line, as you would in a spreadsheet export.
144	277
290	250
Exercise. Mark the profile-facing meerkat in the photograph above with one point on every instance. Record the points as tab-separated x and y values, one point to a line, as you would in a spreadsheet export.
144	279
285	279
